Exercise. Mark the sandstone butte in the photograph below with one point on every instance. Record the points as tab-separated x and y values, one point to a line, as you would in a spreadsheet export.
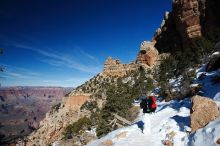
147	58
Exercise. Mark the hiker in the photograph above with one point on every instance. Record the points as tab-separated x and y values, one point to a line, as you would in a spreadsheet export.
148	104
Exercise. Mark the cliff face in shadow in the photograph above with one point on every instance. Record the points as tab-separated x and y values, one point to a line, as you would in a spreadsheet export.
189	19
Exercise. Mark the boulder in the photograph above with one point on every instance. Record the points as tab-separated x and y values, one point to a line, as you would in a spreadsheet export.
214	62
218	141
148	54
203	111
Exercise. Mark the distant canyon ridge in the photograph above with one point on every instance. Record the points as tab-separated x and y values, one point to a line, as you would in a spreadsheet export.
22	108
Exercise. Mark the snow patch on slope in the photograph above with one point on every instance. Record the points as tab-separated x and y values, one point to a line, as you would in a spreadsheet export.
206	136
210	90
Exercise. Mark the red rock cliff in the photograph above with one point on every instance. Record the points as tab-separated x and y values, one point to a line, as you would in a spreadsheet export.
188	19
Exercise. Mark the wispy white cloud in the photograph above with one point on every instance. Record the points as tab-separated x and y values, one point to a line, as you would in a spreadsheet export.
20	70
78	60
88	55
60	59
16	75
20	79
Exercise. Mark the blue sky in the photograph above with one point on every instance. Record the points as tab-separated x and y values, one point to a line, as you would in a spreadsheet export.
64	43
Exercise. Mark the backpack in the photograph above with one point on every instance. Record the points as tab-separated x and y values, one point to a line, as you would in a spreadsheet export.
145	106
153	102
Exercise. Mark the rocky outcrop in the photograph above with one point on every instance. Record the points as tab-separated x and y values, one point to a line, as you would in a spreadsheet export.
179	26
114	68
166	36
203	111
188	19
147	58
57	119
148	54
214	62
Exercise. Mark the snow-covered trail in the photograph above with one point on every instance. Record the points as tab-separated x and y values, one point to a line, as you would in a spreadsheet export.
171	117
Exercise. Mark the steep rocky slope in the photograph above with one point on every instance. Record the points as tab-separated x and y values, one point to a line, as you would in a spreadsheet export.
51	128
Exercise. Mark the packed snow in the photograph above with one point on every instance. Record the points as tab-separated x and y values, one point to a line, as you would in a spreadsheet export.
171	117
210	89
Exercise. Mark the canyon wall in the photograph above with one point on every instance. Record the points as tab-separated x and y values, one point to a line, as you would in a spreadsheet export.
22	108
189	19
